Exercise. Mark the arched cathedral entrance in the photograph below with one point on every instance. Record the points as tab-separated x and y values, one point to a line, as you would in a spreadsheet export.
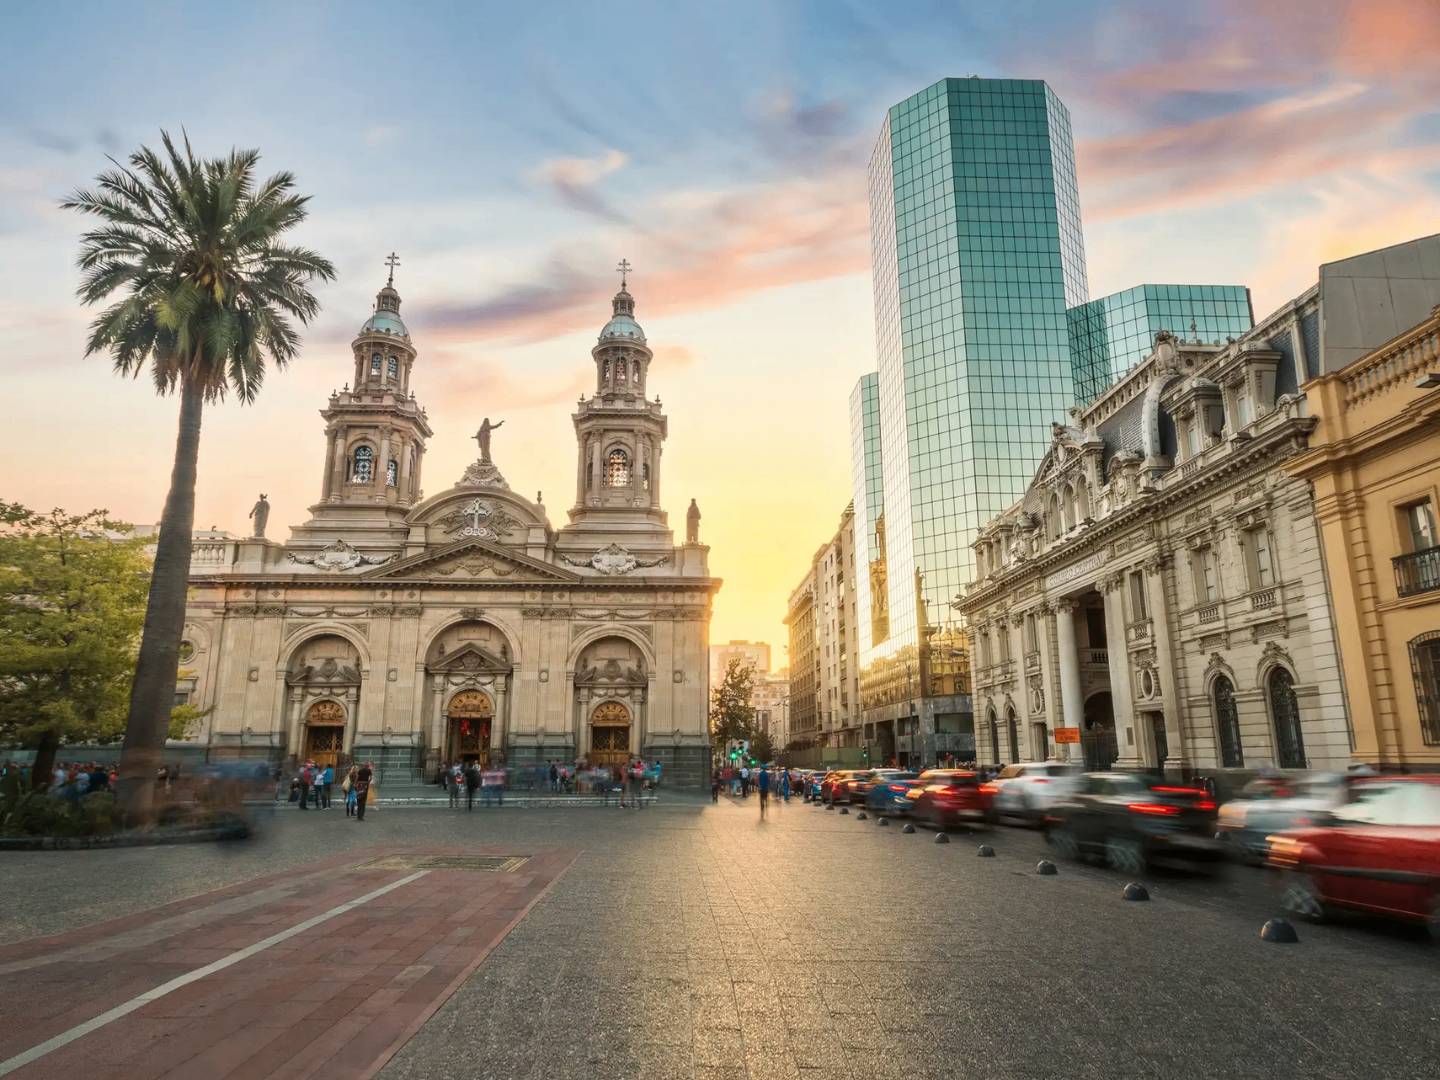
609	734
469	667
468	720
324	733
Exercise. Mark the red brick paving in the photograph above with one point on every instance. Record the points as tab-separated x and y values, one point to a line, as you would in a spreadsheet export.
339	999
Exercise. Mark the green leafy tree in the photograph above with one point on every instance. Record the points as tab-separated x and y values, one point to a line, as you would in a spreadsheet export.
201	292
72	601
761	748
732	716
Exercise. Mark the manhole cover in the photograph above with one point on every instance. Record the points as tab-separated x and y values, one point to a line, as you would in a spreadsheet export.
497	864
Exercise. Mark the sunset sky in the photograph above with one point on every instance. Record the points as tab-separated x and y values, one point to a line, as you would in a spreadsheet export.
513	153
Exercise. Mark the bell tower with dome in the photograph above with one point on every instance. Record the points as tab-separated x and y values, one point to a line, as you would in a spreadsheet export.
620	436
375	431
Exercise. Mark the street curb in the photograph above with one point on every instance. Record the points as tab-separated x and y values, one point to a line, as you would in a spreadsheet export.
121	840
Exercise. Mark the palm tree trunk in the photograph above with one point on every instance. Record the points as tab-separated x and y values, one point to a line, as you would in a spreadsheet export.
152	695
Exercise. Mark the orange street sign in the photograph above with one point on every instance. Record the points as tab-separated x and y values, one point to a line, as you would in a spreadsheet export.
1067	734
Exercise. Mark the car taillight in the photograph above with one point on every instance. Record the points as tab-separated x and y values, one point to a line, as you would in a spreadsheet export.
1180	790
1204	804
989	789
1155	809
898	787
1042	780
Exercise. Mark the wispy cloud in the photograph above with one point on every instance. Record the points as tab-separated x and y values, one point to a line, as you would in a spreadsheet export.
576	180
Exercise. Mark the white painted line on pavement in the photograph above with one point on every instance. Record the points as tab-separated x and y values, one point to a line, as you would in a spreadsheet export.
79	1031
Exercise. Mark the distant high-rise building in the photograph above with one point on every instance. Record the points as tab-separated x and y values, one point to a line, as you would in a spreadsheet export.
977	253
868	478
1111	335
755	653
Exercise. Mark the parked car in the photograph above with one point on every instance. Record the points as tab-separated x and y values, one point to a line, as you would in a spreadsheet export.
1272	804
1028	790
1133	822
858	786
888	795
946	797
1377	852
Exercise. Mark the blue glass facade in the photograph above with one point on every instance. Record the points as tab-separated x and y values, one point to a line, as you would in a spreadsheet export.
977	255
867	474
1111	335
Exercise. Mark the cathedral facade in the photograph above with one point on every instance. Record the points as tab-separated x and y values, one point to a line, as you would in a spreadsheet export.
409	630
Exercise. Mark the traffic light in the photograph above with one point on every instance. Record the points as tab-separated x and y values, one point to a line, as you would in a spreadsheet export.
734	754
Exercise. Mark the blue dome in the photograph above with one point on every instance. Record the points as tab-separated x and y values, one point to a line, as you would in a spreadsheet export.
624	327
385	322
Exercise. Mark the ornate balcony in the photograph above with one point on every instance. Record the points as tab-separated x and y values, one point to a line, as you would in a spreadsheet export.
1262	600
1417	572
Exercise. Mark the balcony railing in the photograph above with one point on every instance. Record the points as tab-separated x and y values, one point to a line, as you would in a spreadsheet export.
1417	572
1263	599
1209	613
1099	656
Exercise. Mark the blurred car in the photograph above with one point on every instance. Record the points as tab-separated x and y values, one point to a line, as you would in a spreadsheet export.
1028	789
858	786
946	797
1133	822
1272	804
1377	852
832	787
888	795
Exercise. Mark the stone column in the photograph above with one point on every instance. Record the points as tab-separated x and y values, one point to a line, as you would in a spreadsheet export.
1019	693
442	741
337	465
655	475
405	491
1049	679
382	467
582	739
1129	745
582	459
597	469
1155	596
1071	704
500	727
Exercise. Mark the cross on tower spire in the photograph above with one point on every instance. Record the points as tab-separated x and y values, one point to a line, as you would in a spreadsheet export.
623	269
392	261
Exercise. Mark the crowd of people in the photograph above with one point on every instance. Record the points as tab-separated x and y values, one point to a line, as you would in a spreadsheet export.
313	787
628	782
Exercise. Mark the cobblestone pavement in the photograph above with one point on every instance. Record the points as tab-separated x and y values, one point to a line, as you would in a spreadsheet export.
690	940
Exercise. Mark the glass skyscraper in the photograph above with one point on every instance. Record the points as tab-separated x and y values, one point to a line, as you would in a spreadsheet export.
1111	335
869	500
977	255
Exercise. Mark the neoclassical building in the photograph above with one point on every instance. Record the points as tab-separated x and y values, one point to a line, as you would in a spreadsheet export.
1158	597
409	629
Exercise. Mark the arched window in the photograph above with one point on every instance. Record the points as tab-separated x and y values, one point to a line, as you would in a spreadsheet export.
392	473
1425	667
1285	715
1227	723
1014	734
645	476
392	367
994	736
1082	501
637	371
362	470
1054	523
375	364
617	468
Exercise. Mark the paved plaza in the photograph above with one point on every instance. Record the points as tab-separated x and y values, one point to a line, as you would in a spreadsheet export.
684	940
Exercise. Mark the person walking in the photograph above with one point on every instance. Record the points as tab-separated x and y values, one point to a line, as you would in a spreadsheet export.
327	781
785	784
307	779
762	783
714	785
362	789
454	784
348	789
472	781
744	781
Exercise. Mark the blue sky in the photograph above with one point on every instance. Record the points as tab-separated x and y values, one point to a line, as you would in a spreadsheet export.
513	153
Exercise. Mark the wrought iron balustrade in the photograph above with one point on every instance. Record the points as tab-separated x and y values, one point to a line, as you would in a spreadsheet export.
1418	572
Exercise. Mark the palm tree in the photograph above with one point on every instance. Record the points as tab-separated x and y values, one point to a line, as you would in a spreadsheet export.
206	294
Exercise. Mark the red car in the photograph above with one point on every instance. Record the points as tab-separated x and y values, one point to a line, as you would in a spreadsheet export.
1378	852
946	797
832	788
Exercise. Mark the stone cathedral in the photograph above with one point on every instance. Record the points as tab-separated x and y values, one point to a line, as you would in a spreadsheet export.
407	630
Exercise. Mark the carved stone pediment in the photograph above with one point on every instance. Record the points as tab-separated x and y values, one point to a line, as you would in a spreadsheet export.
471	658
337	557
329	672
610	673
613	560
475	559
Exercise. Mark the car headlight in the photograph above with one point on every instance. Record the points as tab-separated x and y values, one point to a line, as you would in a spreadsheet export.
1283	851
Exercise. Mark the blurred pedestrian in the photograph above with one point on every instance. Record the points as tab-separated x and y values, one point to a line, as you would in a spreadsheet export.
714	785
362	789
348	788
307	781
327	781
762	783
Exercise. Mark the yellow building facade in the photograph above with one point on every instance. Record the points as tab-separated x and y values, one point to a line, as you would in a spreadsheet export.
1374	460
